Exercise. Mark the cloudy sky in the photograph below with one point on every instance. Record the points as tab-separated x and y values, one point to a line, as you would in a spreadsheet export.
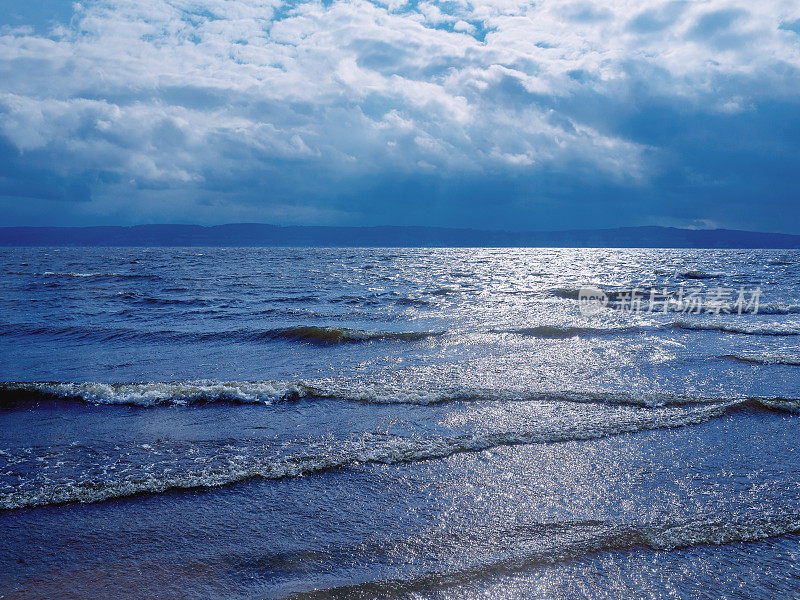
492	114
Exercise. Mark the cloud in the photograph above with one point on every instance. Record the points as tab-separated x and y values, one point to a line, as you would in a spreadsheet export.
309	110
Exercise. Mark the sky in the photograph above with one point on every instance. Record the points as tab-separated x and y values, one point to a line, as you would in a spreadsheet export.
500	114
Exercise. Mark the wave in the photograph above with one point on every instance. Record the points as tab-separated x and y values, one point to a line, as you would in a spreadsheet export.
154	394
560	331
409	301
662	399
731	308
445	291
104	275
779	404
777	329
568	293
315	334
578	540
383	449
79	333
675	306
778	309
302	299
138	298
697	274
338	335
321	335
563	332
764	359
331	335
152	300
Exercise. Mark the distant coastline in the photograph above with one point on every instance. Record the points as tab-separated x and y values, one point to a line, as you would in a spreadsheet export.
256	234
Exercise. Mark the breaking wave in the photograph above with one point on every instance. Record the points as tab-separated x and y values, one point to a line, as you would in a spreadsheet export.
375	449
155	394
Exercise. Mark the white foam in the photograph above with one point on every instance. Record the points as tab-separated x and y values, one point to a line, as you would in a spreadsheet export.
159	393
369	449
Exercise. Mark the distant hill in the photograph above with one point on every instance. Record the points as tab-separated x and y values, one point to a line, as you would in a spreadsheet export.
255	234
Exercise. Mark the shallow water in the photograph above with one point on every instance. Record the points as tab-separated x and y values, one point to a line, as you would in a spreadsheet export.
445	423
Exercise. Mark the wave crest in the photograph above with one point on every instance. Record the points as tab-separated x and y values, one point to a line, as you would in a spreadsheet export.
565	331
339	335
764	359
372	449
154	394
776	330
313	334
698	274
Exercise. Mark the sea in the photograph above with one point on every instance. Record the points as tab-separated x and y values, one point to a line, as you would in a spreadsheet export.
247	423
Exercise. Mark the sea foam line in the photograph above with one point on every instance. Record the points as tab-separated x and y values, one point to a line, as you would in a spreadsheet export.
154	394
380	450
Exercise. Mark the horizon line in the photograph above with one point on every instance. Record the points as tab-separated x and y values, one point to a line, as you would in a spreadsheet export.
429	227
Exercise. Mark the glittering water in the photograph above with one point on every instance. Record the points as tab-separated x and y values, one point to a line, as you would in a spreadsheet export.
253	423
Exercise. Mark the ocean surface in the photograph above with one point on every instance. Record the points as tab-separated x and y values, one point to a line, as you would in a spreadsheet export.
230	423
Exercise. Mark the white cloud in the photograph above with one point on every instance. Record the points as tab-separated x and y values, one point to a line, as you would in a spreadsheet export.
191	93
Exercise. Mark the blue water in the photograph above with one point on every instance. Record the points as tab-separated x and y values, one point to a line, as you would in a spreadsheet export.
372	423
